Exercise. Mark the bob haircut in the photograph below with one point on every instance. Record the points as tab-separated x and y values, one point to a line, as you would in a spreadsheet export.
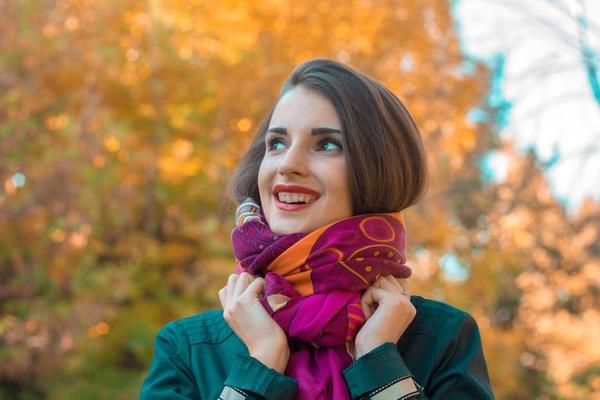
387	164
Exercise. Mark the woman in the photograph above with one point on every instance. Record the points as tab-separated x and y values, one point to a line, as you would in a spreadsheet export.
318	307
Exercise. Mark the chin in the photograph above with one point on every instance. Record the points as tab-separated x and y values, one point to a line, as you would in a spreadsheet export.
287	227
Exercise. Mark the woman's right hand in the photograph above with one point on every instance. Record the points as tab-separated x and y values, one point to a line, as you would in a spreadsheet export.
242	310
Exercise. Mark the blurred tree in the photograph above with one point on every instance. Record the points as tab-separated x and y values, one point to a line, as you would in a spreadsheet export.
120	123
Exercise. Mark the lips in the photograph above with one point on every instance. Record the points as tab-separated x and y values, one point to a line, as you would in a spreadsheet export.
294	189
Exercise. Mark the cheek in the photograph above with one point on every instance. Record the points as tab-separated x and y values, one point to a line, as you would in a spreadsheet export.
341	184
263	180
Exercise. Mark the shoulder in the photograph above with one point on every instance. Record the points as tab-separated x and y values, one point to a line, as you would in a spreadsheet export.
443	350
440	336
435	319
439	308
205	327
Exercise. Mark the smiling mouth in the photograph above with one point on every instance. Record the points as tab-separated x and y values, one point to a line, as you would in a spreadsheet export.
292	206
295	198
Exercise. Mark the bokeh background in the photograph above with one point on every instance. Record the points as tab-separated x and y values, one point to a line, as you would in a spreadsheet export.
121	122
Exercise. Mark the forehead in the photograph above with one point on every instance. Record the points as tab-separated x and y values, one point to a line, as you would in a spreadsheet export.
301	107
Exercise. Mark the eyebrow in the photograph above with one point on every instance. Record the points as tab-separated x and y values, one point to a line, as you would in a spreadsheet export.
314	131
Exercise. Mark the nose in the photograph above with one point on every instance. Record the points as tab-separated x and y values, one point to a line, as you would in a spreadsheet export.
295	162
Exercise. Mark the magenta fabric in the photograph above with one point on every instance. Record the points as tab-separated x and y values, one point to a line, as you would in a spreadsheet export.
345	260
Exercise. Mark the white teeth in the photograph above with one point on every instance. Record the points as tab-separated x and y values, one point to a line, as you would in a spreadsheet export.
288	197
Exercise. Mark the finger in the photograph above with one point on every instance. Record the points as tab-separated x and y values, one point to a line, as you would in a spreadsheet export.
231	286
396	281
368	300
389	283
377	282
241	284
256	287
365	303
223	296
404	284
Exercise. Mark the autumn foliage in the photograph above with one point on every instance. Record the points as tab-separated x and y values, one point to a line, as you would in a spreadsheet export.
121	122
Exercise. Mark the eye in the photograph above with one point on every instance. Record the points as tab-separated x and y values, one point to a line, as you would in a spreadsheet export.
326	143
272	142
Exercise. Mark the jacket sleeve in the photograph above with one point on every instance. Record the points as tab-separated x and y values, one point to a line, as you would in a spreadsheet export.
257	381
170	376
460	371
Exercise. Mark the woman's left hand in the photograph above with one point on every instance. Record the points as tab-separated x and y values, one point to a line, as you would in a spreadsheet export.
388	310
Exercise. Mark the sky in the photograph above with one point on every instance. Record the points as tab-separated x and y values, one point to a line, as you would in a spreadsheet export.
553	107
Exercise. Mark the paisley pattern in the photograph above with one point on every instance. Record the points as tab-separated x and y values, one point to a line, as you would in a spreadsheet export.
314	283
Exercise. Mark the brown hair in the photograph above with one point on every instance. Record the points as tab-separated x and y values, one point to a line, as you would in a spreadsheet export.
387	164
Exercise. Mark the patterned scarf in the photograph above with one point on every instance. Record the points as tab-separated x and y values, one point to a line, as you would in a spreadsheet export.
314	284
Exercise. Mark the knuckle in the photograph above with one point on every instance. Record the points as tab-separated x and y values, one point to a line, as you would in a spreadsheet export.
398	302
236	304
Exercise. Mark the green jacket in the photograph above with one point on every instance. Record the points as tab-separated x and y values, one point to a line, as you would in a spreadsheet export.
440	355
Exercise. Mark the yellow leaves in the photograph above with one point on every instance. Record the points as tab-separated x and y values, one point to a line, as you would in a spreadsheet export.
514	232
179	115
244	124
342	31
112	144
587	236
562	340
146	110
185	53
99	161
591	271
57	122
208	104
77	239
457	142
137	22
132	54
222	30
7	322
49	30
13	183
67	342
71	23
177	163
99	330
57	235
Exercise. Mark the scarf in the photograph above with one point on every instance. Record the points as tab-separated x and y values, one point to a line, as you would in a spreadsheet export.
314	283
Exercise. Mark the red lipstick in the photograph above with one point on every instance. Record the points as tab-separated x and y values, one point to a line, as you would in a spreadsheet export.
292	189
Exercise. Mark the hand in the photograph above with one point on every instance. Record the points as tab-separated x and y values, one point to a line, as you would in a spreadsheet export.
387	320
242	310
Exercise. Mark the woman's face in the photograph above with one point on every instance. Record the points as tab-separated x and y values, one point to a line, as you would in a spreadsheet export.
304	161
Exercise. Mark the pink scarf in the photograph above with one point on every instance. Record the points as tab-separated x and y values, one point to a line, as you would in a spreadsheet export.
314	283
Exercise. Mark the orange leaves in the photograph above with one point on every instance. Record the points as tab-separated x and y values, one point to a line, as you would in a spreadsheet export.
177	162
57	122
244	124
112	144
98	330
